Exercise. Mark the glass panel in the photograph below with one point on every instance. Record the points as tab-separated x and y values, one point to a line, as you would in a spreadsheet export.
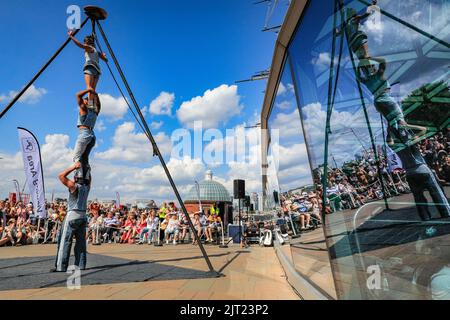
377	76
292	179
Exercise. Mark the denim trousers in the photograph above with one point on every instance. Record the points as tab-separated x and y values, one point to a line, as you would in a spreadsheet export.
72	226
83	147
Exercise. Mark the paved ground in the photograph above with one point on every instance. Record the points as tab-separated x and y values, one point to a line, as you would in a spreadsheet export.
311	259
146	272
396	241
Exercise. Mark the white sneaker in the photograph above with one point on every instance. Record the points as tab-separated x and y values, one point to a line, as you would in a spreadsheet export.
174	243
167	241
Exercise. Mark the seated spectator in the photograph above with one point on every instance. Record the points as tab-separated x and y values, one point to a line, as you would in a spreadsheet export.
172	228
184	228
2	216
111	225
128	229
150	229
94	229
141	224
212	226
197	226
304	217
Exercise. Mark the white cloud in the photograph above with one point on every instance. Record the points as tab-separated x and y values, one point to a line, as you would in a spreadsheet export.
343	143
100	126
323	61
246	162
281	89
113	108
184	170
56	156
156	125
288	124
132	182
388	32
131	146
144	110
284	105
215	106
32	96
285	88
163	104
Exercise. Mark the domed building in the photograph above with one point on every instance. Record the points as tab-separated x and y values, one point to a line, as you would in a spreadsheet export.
211	192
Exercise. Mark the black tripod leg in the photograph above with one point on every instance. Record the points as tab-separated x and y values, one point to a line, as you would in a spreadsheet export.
155	147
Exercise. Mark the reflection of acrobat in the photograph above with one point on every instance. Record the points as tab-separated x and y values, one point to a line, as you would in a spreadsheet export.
421	178
357	39
418	174
374	79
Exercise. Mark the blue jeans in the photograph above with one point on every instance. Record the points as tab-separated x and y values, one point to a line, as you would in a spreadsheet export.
83	147
70	228
421	181
151	232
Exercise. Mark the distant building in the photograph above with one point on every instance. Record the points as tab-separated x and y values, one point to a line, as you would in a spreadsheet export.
209	193
254	200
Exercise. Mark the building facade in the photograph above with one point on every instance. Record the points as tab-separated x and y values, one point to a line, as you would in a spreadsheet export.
356	115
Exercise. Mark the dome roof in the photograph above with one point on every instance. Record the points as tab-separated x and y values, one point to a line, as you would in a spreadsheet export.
210	190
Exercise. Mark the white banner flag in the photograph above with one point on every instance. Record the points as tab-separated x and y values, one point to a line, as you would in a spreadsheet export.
32	163
394	161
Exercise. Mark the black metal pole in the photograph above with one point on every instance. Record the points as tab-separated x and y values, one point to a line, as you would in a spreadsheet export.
239	221
328	118
155	148
37	75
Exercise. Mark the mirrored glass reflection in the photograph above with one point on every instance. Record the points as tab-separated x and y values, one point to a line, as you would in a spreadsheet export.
371	80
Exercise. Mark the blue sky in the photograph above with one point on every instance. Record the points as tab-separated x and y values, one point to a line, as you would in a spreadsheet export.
178	48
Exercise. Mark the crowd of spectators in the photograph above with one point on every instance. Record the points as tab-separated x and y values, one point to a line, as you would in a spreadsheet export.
357	182
108	224
348	187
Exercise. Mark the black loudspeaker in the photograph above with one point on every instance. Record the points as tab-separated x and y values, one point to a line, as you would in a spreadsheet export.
247	201
239	189
252	208
275	197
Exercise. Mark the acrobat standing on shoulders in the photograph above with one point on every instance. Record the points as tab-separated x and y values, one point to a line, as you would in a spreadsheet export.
419	176
87	117
91	68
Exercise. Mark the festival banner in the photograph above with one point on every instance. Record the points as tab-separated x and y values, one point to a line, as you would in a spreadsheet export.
32	163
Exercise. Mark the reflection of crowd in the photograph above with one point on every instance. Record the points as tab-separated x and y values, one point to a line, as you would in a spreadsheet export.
108	224
357	183
303	209
436	151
